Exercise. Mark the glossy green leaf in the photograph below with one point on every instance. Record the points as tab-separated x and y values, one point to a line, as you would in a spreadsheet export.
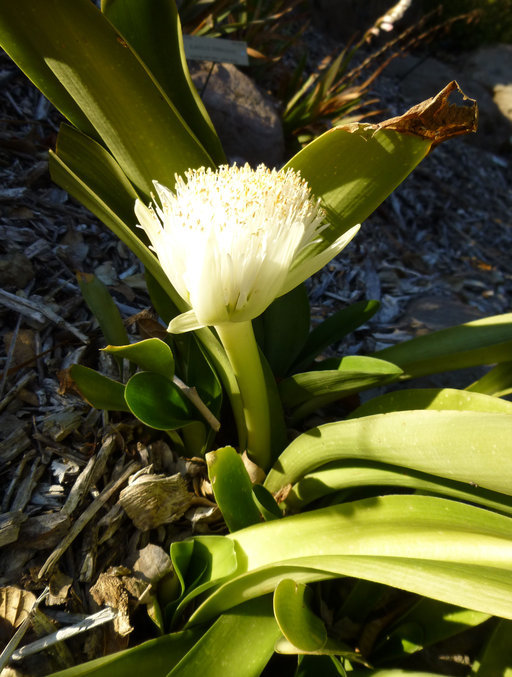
434	547
335	477
266	503
198	563
380	159
238	644
314	666
158	402
455	445
496	657
497	381
432	398
300	626
100	391
146	25
99	171
156	657
102	306
314	389
97	68
79	189
232	488
393	673
425	623
150	355
485	341
334	329
285	328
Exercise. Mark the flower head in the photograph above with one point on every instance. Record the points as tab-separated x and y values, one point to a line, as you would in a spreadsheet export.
229	240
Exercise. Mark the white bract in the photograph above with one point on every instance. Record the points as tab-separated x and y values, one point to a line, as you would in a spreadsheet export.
232	240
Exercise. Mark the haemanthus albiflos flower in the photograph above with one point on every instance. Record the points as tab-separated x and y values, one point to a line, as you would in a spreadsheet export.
232	240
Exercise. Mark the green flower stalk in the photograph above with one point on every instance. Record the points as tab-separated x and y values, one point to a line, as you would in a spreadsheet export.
231	241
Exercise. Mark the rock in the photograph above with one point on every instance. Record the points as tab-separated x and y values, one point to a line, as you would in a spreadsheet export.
245	118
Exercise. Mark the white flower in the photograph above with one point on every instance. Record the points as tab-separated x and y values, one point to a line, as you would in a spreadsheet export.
233	240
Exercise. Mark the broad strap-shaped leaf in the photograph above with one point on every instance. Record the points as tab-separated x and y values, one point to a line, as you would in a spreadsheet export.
455	445
485	341
232	488
102	306
434	547
350	191
425	623
99	171
99	71
353	474
153	30
238	644
440	399
333	329
156	656
283	328
497	381
496	657
298	623
311	390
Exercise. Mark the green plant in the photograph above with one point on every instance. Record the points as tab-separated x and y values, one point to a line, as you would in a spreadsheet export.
401	494
265	25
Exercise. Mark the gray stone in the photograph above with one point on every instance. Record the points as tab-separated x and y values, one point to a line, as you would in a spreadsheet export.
245	118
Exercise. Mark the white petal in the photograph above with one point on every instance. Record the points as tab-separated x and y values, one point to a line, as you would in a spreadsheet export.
185	322
311	265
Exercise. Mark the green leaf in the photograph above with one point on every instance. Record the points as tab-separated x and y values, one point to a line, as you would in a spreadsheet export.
333	329
438	399
238	644
496	658
130	113
456	445
150	355
314	389
343	475
266	503
285	327
485	341
232	488
313	666
153	30
156	657
425	623
79	189
99	171
102	306
380	159
300	626
101	392
497	381
158	402
434	547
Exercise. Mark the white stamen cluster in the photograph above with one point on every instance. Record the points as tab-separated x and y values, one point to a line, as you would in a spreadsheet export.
228	238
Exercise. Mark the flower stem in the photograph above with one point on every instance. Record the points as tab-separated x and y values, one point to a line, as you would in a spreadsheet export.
242	350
